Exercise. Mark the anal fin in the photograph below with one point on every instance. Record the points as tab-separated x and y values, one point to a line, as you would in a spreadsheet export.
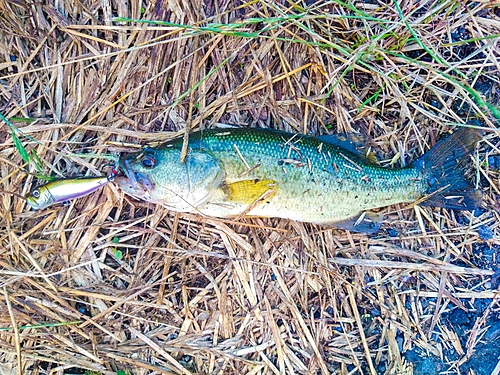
367	222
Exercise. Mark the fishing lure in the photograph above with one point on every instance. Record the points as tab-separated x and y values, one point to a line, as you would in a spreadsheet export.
65	190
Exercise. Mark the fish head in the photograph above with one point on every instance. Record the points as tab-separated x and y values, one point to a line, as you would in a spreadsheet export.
159	176
40	198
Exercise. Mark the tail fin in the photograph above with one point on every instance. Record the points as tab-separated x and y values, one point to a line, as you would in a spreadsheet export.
443	168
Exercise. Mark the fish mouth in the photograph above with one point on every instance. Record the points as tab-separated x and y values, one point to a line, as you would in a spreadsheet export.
131	180
124	164
135	180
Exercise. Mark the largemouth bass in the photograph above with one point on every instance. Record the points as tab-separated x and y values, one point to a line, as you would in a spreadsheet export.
229	173
64	190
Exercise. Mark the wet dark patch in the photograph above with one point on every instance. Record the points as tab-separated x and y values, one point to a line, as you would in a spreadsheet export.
486	256
423	363
486	353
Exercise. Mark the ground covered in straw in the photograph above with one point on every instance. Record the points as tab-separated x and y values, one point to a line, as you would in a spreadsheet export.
113	285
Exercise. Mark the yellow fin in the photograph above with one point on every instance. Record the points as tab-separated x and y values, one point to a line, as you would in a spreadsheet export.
371	157
249	191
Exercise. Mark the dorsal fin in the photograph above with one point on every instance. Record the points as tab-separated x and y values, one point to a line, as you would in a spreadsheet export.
352	142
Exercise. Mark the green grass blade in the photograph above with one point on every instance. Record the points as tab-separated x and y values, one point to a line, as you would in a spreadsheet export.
240	34
48	325
431	53
22	119
373	97
494	110
15	129
191	89
20	147
36	161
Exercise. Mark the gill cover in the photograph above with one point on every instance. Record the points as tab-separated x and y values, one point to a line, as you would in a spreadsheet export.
159	176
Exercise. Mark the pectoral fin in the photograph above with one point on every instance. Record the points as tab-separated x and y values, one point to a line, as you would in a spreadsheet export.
249	191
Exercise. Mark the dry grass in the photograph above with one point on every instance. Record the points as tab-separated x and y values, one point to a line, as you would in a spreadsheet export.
261	296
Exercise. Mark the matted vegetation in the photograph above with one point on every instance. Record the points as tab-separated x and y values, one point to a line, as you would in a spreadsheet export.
113	285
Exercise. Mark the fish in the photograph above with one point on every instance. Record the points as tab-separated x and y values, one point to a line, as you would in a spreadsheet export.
237	172
65	190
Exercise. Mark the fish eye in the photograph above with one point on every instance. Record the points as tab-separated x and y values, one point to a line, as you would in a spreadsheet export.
148	161
36	193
